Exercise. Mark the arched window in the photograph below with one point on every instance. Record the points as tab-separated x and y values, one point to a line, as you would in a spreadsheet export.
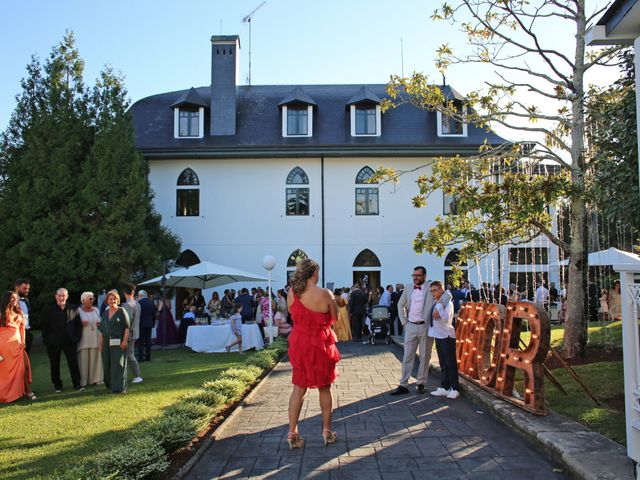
188	194
364	175
188	178
451	260
366	258
297	198
296	257
366	197
293	260
187	258
297	176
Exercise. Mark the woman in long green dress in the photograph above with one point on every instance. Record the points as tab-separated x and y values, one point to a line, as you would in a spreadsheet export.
114	327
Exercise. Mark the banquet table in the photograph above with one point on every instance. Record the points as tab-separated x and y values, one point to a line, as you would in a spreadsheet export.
213	338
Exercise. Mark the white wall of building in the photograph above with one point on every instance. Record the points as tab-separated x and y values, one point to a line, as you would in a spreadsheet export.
242	217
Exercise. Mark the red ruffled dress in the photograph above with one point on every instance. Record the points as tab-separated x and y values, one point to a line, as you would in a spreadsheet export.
312	347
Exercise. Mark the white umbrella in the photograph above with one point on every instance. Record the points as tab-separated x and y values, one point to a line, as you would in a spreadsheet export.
205	275
609	257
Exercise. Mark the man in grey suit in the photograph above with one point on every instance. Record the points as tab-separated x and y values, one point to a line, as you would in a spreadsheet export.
415	311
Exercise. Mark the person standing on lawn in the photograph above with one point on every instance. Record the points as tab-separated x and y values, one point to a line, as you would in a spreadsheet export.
115	326
15	369
443	330
21	286
133	310
147	321
89	361
61	332
415	312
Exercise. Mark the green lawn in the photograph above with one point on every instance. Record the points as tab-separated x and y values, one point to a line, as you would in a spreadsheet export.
605	379
599	334
57	430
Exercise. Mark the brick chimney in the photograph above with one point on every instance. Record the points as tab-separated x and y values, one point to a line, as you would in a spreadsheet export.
225	65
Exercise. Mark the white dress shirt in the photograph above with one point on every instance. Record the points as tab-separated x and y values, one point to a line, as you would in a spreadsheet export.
443	327
417	304
25	311
542	295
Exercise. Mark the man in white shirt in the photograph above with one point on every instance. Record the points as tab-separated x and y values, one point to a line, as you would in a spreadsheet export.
415	313
444	332
542	295
385	298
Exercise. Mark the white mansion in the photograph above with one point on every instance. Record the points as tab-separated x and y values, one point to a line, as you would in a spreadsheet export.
240	172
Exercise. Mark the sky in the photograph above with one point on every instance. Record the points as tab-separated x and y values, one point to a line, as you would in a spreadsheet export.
162	45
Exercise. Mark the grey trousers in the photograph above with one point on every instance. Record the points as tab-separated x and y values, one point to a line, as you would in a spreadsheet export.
415	336
131	359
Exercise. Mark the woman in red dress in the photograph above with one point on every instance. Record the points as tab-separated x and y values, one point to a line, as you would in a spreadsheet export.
312	348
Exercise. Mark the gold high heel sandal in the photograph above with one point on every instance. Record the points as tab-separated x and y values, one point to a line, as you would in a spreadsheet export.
294	440
329	437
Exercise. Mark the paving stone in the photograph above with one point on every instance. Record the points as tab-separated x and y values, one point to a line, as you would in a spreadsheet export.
379	436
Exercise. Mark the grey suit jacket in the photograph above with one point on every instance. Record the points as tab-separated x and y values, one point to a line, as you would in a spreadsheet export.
404	304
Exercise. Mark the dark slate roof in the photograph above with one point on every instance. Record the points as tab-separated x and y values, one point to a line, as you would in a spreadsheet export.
297	96
364	95
406	130
190	98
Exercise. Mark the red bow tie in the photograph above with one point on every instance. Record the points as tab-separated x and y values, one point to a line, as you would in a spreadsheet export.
417	287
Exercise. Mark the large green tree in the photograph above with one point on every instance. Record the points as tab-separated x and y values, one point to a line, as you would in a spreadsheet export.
613	146
538	88
74	198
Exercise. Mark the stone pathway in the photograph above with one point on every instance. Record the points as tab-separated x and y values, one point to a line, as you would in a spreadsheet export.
379	436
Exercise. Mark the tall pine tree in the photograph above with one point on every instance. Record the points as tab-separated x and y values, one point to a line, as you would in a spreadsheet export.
75	199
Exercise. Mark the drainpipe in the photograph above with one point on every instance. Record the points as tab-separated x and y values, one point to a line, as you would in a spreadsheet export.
322	215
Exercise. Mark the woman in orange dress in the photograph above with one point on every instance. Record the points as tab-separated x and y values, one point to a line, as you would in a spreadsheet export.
312	348
15	369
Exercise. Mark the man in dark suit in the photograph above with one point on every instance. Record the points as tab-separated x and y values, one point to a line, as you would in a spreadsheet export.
357	309
147	322
395	298
61	331
458	297
198	300
246	300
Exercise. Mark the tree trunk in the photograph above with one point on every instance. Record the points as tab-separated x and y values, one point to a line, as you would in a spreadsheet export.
574	331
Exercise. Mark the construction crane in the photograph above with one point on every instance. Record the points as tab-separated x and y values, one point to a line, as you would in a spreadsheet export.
247	19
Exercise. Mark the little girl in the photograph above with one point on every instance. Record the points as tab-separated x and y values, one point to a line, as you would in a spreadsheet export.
236	327
603	311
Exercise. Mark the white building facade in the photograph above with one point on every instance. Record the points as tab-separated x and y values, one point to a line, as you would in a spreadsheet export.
282	171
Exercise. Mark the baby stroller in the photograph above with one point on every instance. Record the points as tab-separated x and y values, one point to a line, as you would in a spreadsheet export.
380	324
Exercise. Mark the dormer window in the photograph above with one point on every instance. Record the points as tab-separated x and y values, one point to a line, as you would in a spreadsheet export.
188	115
451	127
189	122
297	114
366	116
297	121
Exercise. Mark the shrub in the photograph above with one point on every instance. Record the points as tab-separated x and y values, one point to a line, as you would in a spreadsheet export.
210	398
264	360
228	388
247	373
199	412
135	459
171	432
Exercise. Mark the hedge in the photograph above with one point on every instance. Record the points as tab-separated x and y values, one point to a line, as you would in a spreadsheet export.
147	450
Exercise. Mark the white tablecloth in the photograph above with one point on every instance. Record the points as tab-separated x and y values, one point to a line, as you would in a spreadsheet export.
213	338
